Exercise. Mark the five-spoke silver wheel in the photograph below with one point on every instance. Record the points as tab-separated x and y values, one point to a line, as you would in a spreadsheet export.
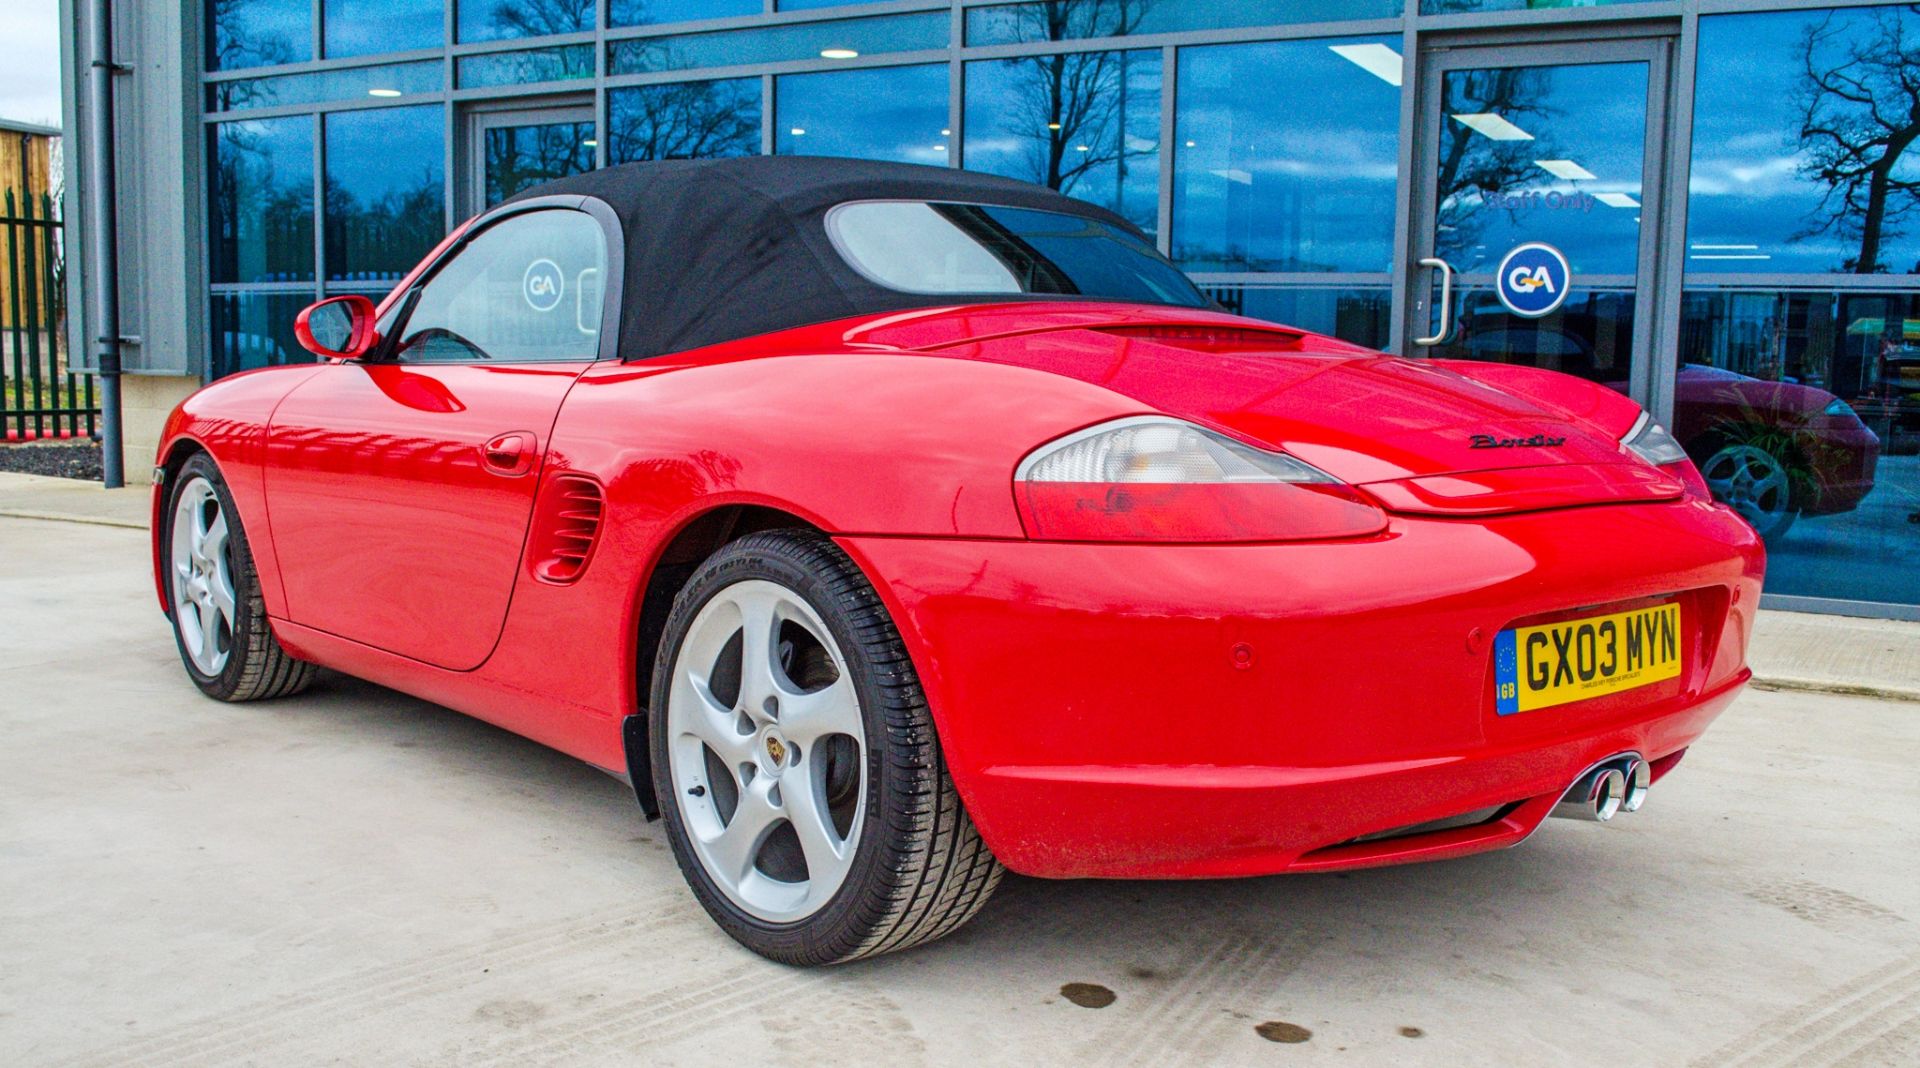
1754	483
204	602
767	750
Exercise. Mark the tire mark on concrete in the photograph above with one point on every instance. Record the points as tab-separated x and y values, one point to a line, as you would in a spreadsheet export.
1818	903
1175	1024
1830	1018
376	990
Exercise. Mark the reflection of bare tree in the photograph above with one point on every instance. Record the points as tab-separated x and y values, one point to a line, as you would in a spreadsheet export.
1471	165
269	220
1071	108
685	120
237	44
381	238
1859	95
520	156
536	18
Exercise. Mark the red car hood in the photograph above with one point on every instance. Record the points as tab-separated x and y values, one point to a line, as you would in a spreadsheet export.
1356	414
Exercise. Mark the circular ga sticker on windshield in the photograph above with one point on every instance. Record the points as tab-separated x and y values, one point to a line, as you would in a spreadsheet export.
543	285
1532	280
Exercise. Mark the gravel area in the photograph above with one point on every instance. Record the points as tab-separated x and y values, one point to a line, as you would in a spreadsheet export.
61	460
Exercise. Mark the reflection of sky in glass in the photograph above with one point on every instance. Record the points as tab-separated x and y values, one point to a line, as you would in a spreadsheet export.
385	191
362	27
1106	106
889	113
805	40
494	20
684	120
1583	120
1065	20
1748	195
262	212
348	84
1285	159
559	63
653	12
255	33
1448	7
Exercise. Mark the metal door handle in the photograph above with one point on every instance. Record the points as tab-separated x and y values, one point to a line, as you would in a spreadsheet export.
509	454
1446	302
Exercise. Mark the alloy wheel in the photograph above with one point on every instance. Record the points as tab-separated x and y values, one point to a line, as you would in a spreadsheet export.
1753	482
201	554
767	751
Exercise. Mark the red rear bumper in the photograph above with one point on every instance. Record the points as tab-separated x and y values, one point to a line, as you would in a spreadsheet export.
1174	711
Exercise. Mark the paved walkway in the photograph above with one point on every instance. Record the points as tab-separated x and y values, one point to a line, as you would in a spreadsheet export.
1791	650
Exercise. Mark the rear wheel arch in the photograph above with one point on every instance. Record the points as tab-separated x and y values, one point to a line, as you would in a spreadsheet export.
697	540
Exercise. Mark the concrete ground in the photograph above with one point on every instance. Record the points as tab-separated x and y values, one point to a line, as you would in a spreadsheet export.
356	877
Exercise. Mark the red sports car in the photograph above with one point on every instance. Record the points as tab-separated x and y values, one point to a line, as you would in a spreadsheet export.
886	525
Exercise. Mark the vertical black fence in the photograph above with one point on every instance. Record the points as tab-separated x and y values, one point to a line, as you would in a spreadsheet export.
40	397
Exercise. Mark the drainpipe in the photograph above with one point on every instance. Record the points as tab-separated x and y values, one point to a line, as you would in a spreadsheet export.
102	255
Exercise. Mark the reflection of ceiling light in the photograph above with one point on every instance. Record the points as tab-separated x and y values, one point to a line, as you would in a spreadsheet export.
798	132
1724	248
1564	168
1730	256
1083	148
590	142
1053	126
939	148
1489	125
838	53
1376	59
383	92
1616	200
946	133
1189	144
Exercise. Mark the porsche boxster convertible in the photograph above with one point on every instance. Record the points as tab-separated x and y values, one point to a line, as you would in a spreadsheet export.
884	526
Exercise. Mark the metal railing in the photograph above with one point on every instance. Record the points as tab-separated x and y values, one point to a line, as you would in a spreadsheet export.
40	397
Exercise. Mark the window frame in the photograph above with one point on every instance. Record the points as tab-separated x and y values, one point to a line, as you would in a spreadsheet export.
608	344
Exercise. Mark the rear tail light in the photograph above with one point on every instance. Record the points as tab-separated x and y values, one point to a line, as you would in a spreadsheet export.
1152	478
1651	442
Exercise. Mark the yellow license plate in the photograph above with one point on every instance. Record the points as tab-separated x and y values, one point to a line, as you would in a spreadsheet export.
1573	660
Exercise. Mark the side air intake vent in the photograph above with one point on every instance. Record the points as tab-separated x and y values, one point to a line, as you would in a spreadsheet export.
566	527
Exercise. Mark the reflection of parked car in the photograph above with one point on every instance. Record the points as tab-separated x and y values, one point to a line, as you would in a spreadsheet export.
1774	451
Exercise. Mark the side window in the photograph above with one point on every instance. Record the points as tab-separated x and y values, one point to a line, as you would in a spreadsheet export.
528	288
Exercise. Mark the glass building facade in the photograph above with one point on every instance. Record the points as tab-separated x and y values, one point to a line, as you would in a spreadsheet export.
1731	183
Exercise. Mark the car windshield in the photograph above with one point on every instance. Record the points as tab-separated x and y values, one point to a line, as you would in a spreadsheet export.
985	249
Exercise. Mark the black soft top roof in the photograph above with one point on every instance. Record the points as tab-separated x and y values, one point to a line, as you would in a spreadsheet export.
723	249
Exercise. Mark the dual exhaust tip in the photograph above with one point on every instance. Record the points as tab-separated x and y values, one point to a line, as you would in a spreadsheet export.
1614	785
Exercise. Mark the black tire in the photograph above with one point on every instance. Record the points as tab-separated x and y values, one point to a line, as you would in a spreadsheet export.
256	667
920	869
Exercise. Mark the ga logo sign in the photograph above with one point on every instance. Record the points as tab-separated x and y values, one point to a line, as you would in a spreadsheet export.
1533	280
543	285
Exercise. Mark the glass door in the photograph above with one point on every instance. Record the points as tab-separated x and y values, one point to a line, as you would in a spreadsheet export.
510	150
1537	193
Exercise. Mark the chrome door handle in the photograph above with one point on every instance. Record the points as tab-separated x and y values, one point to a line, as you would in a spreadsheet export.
1446	302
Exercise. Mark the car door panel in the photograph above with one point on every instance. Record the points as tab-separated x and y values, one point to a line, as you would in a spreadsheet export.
393	525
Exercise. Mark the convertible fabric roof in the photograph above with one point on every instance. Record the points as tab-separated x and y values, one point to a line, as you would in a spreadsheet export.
723	249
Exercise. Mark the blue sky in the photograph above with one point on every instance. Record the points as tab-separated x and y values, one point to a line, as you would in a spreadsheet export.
30	61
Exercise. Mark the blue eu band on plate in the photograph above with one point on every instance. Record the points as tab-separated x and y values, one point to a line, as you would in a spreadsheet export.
1575	659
